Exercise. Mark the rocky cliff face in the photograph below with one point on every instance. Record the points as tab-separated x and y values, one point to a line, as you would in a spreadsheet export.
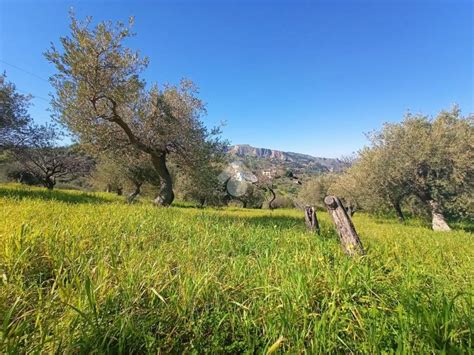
276	158
243	150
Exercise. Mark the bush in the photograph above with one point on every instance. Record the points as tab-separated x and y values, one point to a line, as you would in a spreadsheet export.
283	202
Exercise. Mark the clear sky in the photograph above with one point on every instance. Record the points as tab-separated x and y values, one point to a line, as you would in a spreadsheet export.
303	76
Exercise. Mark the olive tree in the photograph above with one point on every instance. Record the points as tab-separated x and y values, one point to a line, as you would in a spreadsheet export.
347	186
422	157
268	184
102	99
254	197
433	156
314	190
201	185
40	156
375	177
106	176
118	171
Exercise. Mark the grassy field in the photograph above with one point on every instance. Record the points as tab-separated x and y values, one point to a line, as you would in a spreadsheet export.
88	273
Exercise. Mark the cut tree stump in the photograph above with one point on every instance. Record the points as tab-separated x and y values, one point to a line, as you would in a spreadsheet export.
348	237
311	219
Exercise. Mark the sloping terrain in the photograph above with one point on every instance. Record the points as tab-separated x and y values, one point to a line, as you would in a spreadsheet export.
84	273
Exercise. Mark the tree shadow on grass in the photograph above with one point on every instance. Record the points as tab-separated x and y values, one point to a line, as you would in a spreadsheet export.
51	195
279	222
466	226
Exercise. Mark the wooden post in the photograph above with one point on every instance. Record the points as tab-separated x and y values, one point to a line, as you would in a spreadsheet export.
348	237
311	219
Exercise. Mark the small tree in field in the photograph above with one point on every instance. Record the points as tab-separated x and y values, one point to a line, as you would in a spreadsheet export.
201	185
314	190
347	186
198	178
138	171
253	197
373	182
106	176
41	157
130	168
101	98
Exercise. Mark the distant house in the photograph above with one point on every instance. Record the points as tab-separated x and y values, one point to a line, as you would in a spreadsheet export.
269	173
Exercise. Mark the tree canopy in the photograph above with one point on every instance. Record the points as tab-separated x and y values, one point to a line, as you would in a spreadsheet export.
14	115
429	159
41	157
102	99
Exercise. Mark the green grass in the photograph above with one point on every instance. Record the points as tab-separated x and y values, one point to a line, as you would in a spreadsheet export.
88	273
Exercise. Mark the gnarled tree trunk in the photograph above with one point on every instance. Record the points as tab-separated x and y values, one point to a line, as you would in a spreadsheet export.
166	195
49	182
270	203
398	210
202	201
135	193
438	221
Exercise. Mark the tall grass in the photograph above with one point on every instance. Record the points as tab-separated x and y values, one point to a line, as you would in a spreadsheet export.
86	272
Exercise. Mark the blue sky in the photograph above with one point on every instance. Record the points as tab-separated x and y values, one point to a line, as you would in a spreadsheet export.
303	76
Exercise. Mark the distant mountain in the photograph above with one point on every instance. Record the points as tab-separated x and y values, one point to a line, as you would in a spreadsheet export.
263	158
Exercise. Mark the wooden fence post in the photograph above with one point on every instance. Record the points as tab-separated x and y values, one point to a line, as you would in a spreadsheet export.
311	219
348	237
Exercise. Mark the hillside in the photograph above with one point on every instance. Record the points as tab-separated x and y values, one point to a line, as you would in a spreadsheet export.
263	158
88	273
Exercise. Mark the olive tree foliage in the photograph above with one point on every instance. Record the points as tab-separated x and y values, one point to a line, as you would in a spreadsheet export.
101	98
423	158
40	156
254	197
14	116
201	185
283	201
129	170
269	185
381	181
198	180
138	170
107	176
435	158
314	190
347	187
372	183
